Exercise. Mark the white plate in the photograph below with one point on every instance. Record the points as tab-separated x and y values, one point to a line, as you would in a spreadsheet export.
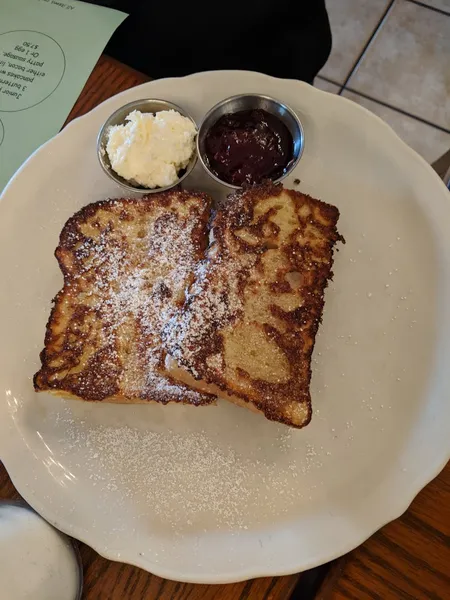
219	494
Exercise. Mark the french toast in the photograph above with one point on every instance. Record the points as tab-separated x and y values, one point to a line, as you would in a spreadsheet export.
248	326
126	264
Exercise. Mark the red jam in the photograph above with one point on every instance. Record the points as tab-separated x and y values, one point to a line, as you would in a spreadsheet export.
248	147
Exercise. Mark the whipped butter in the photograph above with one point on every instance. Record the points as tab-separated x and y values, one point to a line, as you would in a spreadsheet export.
150	149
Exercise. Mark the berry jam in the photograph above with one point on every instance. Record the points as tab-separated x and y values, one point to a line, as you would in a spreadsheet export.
248	147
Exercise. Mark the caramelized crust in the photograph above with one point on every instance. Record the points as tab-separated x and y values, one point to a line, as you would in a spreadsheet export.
249	322
126	266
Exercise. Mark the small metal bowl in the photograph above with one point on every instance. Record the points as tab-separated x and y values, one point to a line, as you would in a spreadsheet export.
251	102
118	118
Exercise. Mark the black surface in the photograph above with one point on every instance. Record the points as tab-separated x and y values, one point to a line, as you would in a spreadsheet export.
309	583
290	39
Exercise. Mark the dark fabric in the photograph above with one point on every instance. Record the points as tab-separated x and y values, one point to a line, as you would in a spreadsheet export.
284	38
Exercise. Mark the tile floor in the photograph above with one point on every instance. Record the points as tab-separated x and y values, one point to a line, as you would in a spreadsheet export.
393	57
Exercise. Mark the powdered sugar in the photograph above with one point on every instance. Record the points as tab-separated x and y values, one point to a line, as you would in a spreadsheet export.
212	303
183	477
131	270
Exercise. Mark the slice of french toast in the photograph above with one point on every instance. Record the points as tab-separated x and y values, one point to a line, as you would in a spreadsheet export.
126	265
248	326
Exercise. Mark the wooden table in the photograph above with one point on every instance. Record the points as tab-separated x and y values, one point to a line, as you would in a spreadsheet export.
407	559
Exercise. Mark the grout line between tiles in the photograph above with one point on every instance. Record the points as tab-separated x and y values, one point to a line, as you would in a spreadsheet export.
435	8
394	108
369	42
328	80
399	110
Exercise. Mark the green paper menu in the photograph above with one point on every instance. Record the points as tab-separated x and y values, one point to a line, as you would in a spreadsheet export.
47	50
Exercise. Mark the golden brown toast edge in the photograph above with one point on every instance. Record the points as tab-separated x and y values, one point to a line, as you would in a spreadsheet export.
56	342
237	215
